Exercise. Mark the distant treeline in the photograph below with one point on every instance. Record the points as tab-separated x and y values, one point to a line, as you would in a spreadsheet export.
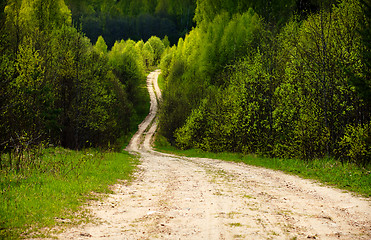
278	78
57	88
133	19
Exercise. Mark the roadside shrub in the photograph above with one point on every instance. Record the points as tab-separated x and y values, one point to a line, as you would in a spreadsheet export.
356	144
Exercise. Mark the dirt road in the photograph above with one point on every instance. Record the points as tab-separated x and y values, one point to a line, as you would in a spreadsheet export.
188	198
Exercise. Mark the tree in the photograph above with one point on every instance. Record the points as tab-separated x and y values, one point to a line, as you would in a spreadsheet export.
363	83
148	55
315	94
166	41
101	46
158	48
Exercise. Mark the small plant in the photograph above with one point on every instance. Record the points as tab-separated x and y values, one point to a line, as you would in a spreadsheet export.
235	224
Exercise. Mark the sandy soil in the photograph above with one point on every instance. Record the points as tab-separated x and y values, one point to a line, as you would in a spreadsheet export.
189	198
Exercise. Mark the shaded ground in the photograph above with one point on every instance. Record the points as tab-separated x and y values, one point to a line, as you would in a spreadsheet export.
189	198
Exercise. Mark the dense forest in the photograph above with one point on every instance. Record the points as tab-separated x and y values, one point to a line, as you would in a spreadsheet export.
133	19
278	78
288	79
57	88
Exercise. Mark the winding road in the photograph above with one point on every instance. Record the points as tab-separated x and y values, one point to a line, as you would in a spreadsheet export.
175	197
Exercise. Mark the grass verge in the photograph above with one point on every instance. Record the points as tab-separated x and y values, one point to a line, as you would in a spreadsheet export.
346	176
161	82
55	188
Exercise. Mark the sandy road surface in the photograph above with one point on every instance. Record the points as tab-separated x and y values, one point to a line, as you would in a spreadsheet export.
189	198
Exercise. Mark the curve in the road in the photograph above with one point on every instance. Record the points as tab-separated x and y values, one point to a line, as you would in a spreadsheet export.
148	127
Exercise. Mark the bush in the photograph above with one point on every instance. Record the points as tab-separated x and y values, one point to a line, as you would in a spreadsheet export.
356	144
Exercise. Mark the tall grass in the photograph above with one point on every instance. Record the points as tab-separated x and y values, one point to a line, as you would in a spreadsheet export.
346	176
37	196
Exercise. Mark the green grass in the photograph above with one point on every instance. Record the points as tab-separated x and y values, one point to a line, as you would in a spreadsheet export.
57	183
56	187
344	176
161	82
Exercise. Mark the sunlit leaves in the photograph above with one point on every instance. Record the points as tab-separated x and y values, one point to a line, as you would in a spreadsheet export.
158	48
200	61
57	86
30	87
289	97
101	46
356	143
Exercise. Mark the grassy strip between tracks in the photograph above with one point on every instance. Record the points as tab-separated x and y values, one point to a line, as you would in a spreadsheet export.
345	176
53	190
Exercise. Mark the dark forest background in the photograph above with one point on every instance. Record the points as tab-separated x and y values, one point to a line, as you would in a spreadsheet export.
133	19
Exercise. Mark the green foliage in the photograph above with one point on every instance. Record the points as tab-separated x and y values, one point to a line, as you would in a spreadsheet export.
237	118
166	61
148	55
166	42
362	82
101	46
200	62
274	11
158	48
161	82
31	93
87	93
48	14
59	88
314	96
356	144
127	65
129	60
193	129
237	84
43	15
